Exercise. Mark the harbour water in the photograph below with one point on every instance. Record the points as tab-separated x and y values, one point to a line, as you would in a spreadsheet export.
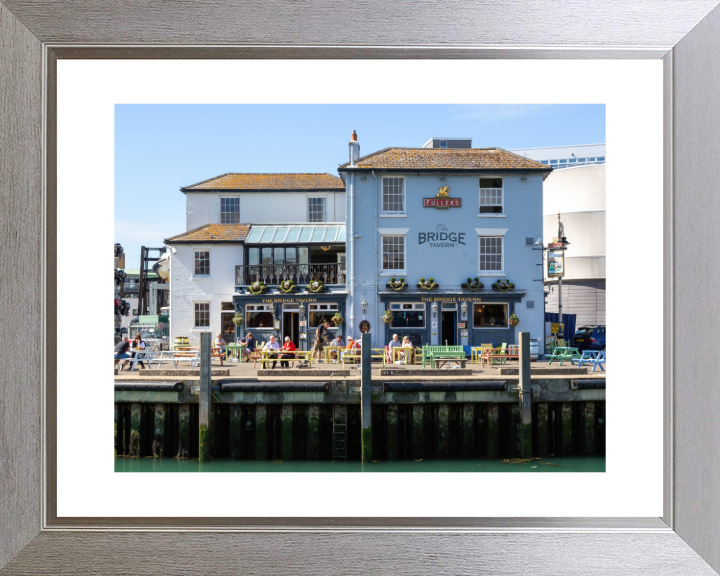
549	464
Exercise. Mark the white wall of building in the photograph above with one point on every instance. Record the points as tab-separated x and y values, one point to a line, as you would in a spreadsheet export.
187	289
262	207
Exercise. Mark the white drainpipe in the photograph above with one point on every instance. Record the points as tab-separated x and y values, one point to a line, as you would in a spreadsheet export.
351	323
377	276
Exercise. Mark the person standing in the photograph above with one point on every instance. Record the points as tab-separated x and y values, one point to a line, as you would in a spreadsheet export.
274	346
321	339
289	347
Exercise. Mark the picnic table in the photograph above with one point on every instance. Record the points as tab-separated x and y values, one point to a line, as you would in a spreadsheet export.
266	356
235	350
563	353
429	352
491	355
440	361
329	350
594	357
160	356
400	354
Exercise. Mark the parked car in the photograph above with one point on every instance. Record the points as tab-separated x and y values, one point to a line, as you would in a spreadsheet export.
590	338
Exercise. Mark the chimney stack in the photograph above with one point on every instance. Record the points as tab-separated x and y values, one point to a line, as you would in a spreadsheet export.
354	149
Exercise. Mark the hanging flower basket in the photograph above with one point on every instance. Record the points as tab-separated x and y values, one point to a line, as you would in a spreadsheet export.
315	286
473	285
503	285
237	319
513	320
428	284
287	286
337	319
387	316
396	284
257	288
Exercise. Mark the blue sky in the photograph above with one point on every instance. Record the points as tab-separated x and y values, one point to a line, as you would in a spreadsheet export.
159	148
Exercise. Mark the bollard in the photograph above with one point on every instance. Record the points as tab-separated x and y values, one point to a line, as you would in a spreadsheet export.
525	396
204	437
365	399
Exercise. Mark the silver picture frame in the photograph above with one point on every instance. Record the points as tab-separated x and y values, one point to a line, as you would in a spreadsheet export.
684	34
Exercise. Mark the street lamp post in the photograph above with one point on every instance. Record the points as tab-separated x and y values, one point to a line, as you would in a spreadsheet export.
556	268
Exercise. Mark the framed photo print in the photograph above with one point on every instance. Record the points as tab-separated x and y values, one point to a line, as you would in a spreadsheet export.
364	260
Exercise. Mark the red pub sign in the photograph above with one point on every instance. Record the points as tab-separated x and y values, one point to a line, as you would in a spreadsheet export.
442	200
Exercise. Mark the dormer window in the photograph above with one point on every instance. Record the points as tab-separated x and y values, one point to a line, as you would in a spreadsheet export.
443	143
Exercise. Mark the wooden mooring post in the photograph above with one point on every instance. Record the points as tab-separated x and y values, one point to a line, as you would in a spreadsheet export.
525	397
205	431
365	400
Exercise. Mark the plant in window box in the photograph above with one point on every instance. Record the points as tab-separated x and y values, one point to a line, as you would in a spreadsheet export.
387	316
428	284
397	284
237	319
503	285
473	285
337	319
257	288
513	320
315	286
287	286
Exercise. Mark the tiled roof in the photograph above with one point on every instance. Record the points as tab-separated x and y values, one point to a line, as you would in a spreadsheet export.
232	181
445	159
213	233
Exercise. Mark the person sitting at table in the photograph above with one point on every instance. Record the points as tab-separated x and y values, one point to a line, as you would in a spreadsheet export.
338	342
351	345
250	345
272	345
406	344
220	343
121	352
290	347
137	344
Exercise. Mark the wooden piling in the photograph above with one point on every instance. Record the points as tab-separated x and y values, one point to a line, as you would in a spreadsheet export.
525	396
183	432
392	431
287	431
468	431
260	432
443	429
313	431
365	398
118	439
493	429
542	429
589	427
566	440
517	429
205	396
417	431
135	427
236	431
158	445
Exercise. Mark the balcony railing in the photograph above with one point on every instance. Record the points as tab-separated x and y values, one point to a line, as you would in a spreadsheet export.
298	273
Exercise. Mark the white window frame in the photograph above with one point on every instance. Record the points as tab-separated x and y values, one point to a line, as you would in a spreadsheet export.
202	276
393	232
500	272
209	313
221	210
502	197
307	209
387	213
507	316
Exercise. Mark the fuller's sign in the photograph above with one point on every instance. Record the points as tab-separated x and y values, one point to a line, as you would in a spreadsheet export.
442	200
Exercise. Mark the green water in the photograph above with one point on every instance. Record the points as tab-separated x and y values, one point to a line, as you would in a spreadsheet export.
565	464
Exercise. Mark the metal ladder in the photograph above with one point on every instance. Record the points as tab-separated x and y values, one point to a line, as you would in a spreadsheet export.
339	439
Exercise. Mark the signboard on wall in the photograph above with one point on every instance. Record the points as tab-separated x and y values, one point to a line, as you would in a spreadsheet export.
556	327
556	263
442	200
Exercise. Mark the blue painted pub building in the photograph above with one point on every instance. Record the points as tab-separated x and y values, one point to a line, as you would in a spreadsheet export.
444	241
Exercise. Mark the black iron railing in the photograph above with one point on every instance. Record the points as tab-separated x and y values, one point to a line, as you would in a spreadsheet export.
298	273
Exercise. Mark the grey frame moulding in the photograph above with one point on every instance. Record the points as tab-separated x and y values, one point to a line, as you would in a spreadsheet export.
33	35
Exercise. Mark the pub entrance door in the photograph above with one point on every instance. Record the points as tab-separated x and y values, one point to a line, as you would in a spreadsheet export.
448	328
291	327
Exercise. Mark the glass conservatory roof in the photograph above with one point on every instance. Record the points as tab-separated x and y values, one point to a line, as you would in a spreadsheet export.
294	234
